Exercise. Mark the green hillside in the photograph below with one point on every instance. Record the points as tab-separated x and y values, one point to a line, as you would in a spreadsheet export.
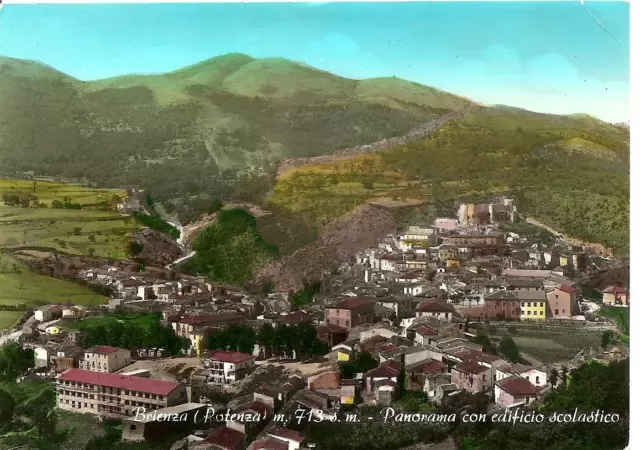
571	173
214	129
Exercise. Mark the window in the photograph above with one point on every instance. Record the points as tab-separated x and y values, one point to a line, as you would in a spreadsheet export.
535	313
556	295
556	311
132	427
484	377
563	311
537	380
528	313
347	323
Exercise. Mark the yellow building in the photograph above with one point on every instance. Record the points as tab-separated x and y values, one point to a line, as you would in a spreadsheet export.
343	355
453	263
564	261
533	310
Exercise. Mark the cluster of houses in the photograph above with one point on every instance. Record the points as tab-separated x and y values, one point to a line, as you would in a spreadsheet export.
413	307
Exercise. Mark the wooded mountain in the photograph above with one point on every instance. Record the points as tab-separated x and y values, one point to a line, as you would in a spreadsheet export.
218	127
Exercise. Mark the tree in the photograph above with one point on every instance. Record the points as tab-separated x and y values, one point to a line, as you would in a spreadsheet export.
77	231
606	338
564	374
509	349
7	407
57	204
553	377
91	251
400	389
487	344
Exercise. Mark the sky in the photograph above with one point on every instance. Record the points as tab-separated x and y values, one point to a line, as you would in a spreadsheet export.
555	57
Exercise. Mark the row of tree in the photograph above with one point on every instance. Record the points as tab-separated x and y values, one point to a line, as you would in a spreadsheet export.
130	334
288	341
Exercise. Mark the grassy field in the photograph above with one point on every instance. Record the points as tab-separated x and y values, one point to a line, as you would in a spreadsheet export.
8	318
552	345
90	230
48	191
621	316
18	285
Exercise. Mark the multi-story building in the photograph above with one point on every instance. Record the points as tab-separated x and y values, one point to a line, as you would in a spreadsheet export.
436	309
615	295
502	305
85	391
350	313
227	366
471	376
562	302
103	358
533	305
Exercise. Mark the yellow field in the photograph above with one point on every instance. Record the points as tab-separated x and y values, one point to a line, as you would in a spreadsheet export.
75	231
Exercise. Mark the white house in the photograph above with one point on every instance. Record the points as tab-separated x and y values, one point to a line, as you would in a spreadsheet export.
534	376
227	366
414	289
47	313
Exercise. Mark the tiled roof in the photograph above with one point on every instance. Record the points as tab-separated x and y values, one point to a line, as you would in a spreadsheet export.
568	289
434	306
228	356
516	385
116	380
331	328
268	444
352	303
471	367
226	438
295	318
286	434
103	349
432	366
424	330
387	369
615	290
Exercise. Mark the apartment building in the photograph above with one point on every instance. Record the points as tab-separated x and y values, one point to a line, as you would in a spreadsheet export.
350	313
227	366
91	392
104	358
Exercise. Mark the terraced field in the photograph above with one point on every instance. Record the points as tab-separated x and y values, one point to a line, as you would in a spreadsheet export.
95	228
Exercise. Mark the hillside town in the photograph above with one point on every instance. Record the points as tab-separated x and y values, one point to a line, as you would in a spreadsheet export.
464	306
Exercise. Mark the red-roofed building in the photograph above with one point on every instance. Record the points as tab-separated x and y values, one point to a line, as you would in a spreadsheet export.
295	318
513	391
350	313
616	295
436	309
269	443
562	302
425	334
224	438
388	370
471	376
292	438
332	334
185	325
103	358
226	366
112	393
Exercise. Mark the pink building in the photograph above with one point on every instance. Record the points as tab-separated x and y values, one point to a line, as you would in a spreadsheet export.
514	391
471	376
350	313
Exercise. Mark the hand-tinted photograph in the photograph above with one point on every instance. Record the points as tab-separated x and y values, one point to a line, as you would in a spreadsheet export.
315	226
